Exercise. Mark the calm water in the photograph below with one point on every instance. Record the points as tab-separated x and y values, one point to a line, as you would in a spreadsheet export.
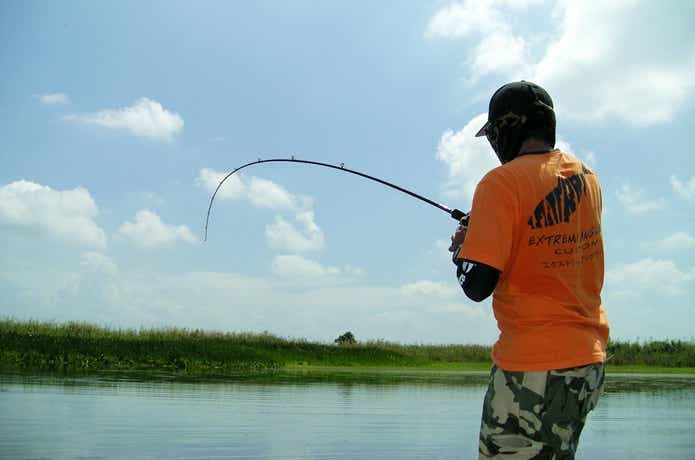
93	418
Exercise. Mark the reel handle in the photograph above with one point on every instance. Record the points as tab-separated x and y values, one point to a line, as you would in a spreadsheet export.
459	215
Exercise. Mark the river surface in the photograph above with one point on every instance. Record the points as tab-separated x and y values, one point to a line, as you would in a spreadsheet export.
638	417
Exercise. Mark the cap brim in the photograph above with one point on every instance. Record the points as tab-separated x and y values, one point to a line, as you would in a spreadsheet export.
481	133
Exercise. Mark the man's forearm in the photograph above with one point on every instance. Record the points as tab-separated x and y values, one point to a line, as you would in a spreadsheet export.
477	280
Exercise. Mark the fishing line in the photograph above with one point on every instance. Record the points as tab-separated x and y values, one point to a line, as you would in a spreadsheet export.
454	213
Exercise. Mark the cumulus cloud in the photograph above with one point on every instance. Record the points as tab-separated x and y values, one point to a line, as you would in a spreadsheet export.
634	201
579	65
651	275
430	289
587	157
97	262
498	48
144	118
262	193
460	19
284	235
466	310
577	61
233	188
67	214
300	235
148	230
295	266
684	189
467	158
677	241
53	98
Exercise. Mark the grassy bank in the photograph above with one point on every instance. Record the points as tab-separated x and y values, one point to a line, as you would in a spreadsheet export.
79	347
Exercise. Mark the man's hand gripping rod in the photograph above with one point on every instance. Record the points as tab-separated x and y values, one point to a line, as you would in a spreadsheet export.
454	213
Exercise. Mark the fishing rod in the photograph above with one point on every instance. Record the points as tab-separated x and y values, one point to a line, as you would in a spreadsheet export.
454	213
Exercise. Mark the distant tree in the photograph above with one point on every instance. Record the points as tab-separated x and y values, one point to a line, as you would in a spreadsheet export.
347	338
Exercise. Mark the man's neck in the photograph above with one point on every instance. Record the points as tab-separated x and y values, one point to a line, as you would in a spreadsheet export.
534	145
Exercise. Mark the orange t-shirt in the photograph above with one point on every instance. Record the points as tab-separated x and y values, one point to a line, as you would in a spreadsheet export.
537	219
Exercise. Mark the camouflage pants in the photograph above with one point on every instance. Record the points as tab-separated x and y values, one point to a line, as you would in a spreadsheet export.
537	415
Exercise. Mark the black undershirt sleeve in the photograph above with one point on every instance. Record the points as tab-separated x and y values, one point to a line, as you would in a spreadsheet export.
477	280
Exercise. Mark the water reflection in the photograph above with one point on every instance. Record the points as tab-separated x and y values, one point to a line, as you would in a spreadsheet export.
649	383
306	416
344	378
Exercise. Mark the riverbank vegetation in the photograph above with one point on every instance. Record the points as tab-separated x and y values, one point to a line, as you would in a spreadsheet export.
42	346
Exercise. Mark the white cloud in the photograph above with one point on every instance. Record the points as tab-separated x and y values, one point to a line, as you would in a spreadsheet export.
677	241
634	201
586	156
460	19
498	49
651	297
685	189
577	61
148	230
283	235
651	275
294	266
656	65
431	289
264	193
96	262
233	188
565	146
467	310
467	157
499	52
68	214
145	118
301	236
53	98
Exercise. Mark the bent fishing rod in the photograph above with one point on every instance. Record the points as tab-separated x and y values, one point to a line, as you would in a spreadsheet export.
454	213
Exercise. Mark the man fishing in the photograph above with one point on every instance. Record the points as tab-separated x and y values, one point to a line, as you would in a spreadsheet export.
534	242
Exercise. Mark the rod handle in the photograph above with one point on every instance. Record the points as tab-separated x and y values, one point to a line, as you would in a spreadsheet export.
458	215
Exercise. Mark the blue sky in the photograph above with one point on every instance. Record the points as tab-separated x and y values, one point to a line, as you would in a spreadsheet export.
117	119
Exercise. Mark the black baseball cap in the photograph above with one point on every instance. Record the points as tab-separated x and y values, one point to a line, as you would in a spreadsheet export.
520	97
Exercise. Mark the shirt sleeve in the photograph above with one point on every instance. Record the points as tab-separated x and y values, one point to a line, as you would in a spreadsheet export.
477	280
490	233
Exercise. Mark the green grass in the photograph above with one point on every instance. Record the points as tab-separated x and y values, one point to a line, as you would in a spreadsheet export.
85	347
657	353
81	347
